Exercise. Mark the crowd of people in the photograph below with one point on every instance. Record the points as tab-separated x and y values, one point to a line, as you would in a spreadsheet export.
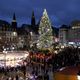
10	73
69	56
39	64
32	69
42	64
39	70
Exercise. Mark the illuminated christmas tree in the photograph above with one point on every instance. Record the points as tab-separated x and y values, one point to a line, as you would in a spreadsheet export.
45	40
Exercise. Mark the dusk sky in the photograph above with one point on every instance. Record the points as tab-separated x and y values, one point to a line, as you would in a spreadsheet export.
59	11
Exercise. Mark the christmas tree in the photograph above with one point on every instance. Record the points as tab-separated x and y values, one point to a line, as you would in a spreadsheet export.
45	32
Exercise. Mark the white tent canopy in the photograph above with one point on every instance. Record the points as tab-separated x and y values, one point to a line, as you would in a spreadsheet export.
12	59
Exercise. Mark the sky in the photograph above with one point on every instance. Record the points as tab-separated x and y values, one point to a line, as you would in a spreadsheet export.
59	11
